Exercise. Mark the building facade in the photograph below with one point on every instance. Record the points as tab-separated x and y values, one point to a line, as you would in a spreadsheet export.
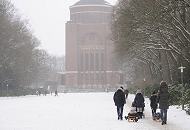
89	49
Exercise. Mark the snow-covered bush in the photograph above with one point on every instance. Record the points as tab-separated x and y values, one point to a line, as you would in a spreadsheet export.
149	89
180	95
175	94
187	99
188	108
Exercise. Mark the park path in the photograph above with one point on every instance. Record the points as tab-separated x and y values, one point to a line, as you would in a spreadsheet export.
77	111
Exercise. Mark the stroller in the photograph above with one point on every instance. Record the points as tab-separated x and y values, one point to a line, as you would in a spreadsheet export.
140	113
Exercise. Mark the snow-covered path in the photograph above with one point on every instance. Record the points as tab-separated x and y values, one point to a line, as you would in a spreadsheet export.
78	111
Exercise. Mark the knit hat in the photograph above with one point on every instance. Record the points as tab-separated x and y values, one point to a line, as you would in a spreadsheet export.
138	91
163	83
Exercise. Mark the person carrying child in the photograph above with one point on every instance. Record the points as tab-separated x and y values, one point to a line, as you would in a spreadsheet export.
153	103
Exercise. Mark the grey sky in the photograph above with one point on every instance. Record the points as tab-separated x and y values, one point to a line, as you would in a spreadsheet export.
47	20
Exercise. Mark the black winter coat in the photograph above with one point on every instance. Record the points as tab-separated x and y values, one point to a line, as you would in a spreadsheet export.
139	100
163	98
154	101
119	98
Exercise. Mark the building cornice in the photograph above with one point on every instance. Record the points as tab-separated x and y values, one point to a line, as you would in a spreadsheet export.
78	6
79	23
91	12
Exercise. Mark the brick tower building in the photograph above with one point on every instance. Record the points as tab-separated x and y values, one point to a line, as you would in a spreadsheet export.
89	49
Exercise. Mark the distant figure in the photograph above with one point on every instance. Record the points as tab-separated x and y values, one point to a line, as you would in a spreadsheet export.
154	103
45	93
119	100
37	93
139	103
106	90
56	93
163	100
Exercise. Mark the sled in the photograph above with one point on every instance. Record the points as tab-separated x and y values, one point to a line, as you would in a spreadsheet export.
157	117
131	118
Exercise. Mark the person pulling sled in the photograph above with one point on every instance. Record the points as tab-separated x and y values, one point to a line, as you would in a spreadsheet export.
119	100
139	103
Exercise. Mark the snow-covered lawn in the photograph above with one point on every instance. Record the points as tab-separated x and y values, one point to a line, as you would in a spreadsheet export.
79	111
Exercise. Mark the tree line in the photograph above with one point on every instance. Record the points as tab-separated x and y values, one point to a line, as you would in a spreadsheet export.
22	63
152	40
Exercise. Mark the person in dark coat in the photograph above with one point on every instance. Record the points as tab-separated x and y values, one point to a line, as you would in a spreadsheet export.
163	100
119	100
154	103
56	92
139	103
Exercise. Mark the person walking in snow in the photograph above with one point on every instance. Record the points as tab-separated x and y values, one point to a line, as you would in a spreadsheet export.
119	100
163	100
154	103
56	92
139	103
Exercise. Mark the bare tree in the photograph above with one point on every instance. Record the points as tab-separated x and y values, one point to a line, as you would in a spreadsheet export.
155	33
21	63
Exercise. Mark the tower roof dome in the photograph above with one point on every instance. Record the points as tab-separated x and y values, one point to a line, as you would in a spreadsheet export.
92	2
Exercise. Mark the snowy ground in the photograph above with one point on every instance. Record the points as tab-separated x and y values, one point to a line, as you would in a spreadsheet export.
78	111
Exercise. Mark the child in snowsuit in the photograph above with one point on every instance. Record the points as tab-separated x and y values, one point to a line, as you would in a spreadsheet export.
132	113
153	104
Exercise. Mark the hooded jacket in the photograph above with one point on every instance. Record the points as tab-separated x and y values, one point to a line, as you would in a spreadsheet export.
153	101
119	98
163	96
139	100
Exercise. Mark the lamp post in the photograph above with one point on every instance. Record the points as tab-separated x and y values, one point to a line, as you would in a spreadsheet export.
181	69
1	88
144	82
7	88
